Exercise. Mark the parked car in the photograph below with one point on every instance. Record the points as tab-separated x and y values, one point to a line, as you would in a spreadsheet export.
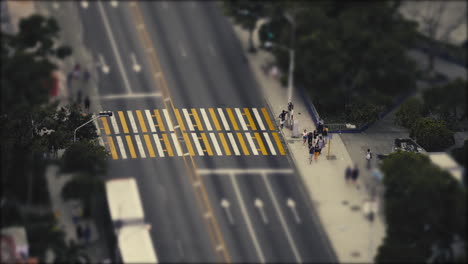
407	144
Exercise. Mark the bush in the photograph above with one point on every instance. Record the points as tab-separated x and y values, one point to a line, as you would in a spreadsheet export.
363	112
409	112
431	134
85	157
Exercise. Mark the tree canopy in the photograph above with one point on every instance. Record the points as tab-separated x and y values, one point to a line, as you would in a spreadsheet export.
432	134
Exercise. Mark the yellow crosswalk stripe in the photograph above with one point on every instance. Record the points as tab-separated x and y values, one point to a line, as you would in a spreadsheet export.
207	144
142	121
112	148
197	119
225	145
233	119
106	125
260	143
124	123
149	146
215	119
159	120
179	120
189	145
250	119
130	146
168	145
278	143
242	142
267	118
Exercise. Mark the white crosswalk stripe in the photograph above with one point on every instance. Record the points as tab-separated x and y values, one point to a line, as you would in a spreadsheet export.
101	142
251	143
241	119
176	144
223	119
132	121
269	143
158	145
187	119
121	147
168	120
197	144
114	124
259	119
233	144
140	146
150	121
205	118
98	131
215	144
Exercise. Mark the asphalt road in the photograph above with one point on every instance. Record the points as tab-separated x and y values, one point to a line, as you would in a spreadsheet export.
236	196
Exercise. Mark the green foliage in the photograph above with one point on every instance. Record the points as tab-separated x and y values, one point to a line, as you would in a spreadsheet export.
80	187
86	157
459	154
362	112
424	206
409	112
431	134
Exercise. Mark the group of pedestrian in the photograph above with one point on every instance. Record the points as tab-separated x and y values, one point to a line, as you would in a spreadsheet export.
316	140
75	74
287	116
351	175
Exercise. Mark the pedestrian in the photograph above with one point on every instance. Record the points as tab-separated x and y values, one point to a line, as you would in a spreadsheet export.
348	174
69	79
290	113
310	138
87	233
87	103
86	75
355	175
325	132
317	151
320	127
321	143
282	118
315	134
79	232
311	152
79	97
304	137
77	70
368	158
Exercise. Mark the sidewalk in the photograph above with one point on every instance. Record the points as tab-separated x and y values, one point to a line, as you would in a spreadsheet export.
339	206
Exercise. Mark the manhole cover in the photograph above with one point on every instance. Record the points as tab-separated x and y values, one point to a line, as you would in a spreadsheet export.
331	157
345	202
355	208
355	254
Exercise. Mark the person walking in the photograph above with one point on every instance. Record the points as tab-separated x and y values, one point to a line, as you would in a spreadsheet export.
320	127
325	132
282	118
79	97
86	75
311	152
321	143
86	104
310	138
348	174
317	151
315	134
368	158
290	114
355	175
304	137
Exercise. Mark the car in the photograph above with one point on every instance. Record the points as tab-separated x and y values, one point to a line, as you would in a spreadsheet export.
407	144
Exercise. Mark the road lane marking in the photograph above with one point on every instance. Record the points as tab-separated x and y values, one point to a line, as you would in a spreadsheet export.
269	143
176	144
189	145
225	204
112	148
259	119
114	124
223	119
159	121
132	121
281	217
182	50
292	204
106	125
128	96
243	145
225	145
149	145
101	142
233	119
179	120
197	119
205	118
142	121
140	146
168	145
168	120
150	121
215	144
123	153
278	143
215	119
207	144
259	204
114	47
260	143
233	144
102	63
158	145
130	146
247	219
250	119
267	119
187	118
197	144
251	143
136	66
245	171
241	119
123	122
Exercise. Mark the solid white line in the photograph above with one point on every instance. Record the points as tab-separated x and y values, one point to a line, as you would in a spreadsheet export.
101	142
247	219
168	120
197	144
251	143
283	222
212	50
176	144
216	145
131	95
150	120
250	171
233	144
223	118
132	121
158	145
140	146
114	124
270	144
241	119
187	119
121	147
205	117
114	47
182	50
259	119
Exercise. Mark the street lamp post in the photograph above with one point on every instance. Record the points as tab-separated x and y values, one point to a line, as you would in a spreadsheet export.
291	20
108	114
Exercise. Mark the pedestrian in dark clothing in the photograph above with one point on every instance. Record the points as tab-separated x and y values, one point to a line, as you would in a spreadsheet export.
86	103
79	97
348	174
368	158
321	143
69	79
79	232
311	152
86	75
87	233
315	134
355	175
317	151
325	132
310	137
282	118
320	128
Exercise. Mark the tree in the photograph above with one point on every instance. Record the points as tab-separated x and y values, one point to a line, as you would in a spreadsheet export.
424	206
431	134
409	112
85	157
459	154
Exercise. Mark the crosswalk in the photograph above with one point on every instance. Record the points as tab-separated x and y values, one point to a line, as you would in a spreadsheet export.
151	133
